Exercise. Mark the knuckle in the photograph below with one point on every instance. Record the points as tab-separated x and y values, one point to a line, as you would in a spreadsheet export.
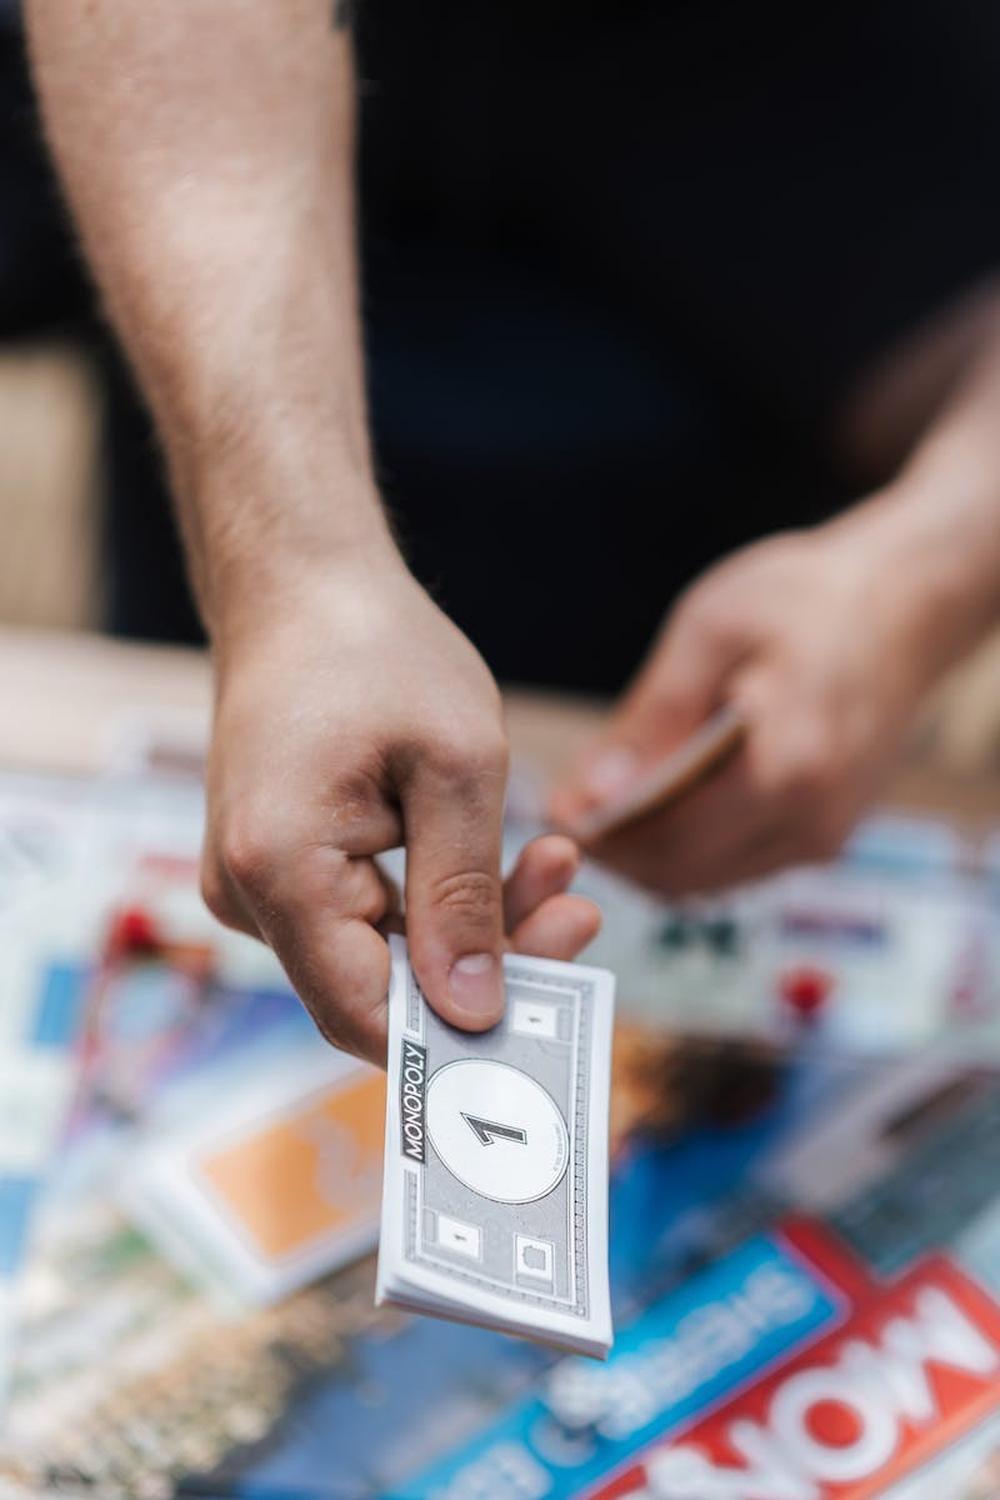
468	757
355	795
472	895
213	893
248	847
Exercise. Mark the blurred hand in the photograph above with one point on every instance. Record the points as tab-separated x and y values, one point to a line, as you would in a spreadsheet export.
351	718
812	634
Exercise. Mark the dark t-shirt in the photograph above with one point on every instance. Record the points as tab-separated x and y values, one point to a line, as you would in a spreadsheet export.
781	189
622	261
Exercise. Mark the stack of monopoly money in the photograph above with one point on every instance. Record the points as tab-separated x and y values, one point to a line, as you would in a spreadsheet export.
495	1196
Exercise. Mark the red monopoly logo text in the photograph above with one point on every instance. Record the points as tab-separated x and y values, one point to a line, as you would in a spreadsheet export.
917	1365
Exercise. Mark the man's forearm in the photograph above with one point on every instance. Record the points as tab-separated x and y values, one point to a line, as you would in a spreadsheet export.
208	154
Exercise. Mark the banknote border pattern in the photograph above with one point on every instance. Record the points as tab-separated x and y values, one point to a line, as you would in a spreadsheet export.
579	1305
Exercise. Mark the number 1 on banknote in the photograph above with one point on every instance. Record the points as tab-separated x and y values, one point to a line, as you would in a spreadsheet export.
495	1196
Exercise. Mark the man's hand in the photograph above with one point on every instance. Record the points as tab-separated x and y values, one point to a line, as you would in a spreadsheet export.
354	720
827	639
209	153
820	638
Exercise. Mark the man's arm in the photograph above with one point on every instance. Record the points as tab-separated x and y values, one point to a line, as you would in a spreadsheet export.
826	638
207	151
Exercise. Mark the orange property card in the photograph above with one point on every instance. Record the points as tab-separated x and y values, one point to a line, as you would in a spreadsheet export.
275	1186
293	1181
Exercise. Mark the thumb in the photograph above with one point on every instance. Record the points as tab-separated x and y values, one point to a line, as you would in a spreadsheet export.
454	917
682	681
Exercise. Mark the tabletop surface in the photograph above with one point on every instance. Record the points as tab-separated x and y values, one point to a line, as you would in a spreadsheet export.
69	698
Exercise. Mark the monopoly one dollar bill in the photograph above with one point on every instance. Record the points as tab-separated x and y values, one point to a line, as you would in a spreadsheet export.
495	1198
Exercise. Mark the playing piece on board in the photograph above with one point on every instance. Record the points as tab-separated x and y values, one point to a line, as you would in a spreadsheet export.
675	774
495	1198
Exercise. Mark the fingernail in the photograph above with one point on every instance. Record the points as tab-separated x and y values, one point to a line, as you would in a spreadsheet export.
475	986
610	773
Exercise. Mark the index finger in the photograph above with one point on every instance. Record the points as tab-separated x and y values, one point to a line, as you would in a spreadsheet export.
321	925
